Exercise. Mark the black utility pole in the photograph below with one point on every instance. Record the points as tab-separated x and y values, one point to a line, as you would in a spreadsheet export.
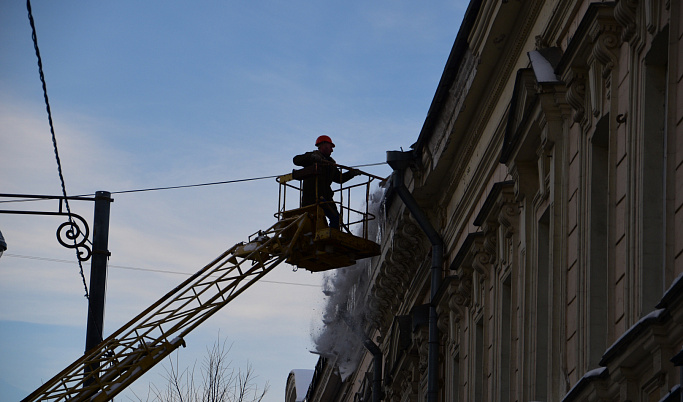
74	233
98	270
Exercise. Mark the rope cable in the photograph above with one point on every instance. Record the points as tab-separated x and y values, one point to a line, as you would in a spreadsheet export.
34	36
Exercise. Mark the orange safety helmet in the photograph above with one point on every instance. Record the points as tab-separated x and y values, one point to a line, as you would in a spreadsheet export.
323	138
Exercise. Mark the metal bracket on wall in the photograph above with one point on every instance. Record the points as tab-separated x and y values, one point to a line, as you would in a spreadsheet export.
73	233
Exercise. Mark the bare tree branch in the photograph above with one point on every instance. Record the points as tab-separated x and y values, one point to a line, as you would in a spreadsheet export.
220	381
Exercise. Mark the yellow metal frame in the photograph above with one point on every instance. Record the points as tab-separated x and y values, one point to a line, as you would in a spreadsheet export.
300	237
329	248
103	372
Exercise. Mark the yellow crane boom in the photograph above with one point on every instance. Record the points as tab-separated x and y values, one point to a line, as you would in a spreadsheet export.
136	347
300	237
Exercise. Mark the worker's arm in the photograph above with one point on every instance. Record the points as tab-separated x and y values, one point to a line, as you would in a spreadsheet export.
307	159
346	176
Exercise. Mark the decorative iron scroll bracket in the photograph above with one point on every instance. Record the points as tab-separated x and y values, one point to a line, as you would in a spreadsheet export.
73	233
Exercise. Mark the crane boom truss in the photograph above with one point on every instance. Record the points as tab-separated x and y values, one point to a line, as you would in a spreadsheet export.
106	370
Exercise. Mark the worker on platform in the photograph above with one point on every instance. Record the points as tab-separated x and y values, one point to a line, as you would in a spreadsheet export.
318	188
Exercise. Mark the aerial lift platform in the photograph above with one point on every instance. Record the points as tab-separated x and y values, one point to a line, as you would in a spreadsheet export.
327	248
300	237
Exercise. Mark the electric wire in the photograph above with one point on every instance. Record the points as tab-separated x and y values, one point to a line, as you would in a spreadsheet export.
193	185
34	36
216	182
186	185
160	271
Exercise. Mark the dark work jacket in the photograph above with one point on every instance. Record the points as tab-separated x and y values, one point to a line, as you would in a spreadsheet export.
327	173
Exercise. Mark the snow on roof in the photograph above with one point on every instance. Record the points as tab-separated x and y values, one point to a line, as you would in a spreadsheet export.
631	333
673	292
674	393
588	377
543	69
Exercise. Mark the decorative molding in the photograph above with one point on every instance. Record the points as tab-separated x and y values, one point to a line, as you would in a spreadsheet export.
625	15
543	155
404	385
651	15
509	220
554	112
509	215
482	258
523	99
603	58
402	260
507	63
591	56
443	323
421	341
604	34
541	42
460	297
524	175
576	92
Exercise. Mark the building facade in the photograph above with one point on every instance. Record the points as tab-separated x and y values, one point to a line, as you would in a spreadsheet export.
550	165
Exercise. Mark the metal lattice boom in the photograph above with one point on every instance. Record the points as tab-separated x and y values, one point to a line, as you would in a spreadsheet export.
127	354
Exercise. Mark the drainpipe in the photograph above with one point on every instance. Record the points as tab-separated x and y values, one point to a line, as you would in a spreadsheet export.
377	369
375	351
399	161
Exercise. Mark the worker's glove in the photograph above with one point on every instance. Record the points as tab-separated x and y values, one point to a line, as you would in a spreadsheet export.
316	158
356	172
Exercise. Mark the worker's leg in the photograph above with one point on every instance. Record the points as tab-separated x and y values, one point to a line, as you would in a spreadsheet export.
331	213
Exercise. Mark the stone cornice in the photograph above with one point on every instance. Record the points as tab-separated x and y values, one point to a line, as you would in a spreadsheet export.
495	88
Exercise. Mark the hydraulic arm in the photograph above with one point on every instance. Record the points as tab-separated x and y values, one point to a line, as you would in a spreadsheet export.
300	237
128	353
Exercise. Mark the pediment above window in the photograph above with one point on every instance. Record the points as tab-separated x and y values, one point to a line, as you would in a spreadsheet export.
524	97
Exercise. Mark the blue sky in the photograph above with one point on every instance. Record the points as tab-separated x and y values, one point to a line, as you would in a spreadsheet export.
165	93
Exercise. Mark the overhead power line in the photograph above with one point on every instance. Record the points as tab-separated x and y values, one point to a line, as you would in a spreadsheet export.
193	185
160	271
219	182
189	185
